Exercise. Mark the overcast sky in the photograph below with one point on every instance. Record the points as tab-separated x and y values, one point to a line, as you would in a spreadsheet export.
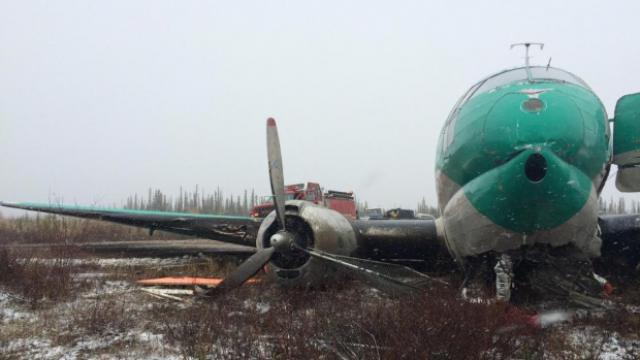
102	99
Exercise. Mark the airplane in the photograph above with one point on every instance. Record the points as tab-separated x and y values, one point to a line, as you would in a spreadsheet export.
521	161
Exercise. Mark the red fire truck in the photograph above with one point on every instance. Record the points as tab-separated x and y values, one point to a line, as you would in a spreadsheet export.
340	201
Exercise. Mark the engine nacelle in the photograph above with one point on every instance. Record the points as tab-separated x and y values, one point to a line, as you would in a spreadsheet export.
314	227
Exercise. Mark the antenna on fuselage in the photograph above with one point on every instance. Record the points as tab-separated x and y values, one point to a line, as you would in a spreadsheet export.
526	55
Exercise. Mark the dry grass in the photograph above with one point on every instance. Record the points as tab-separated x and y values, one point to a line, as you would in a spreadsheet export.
36	281
338	323
102	316
264	321
52	229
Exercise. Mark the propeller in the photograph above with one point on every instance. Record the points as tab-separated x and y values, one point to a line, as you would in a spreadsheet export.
282	240
375	273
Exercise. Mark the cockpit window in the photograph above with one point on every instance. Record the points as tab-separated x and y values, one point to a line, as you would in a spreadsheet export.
538	73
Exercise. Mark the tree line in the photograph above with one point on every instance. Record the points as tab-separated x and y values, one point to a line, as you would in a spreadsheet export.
199	201
202	202
196	201
217	202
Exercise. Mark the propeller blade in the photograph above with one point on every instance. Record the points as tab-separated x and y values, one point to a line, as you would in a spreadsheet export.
276	175
252	265
245	271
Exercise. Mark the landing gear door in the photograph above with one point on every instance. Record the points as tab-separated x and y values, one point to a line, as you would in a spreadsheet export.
626	143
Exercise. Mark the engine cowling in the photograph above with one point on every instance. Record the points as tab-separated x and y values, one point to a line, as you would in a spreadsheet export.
314	227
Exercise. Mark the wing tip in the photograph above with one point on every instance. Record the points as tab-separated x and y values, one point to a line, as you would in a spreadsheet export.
9	204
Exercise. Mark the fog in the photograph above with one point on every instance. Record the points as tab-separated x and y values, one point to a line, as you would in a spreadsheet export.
99	100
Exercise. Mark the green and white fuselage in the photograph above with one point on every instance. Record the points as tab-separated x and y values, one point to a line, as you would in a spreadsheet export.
521	160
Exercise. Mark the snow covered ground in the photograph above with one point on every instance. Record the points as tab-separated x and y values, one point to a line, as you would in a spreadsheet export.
62	331
109	318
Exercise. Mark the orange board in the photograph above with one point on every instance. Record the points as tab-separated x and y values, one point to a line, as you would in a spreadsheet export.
187	281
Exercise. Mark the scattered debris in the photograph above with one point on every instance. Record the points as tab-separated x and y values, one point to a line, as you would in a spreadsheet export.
170	294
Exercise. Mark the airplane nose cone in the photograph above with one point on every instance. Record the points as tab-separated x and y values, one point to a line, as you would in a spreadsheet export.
534	197
535	190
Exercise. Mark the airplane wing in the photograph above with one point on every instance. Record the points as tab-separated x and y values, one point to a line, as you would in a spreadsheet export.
239	230
152	247
169	248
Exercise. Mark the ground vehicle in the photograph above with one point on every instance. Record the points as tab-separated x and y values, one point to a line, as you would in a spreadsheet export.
340	201
392	214
373	214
